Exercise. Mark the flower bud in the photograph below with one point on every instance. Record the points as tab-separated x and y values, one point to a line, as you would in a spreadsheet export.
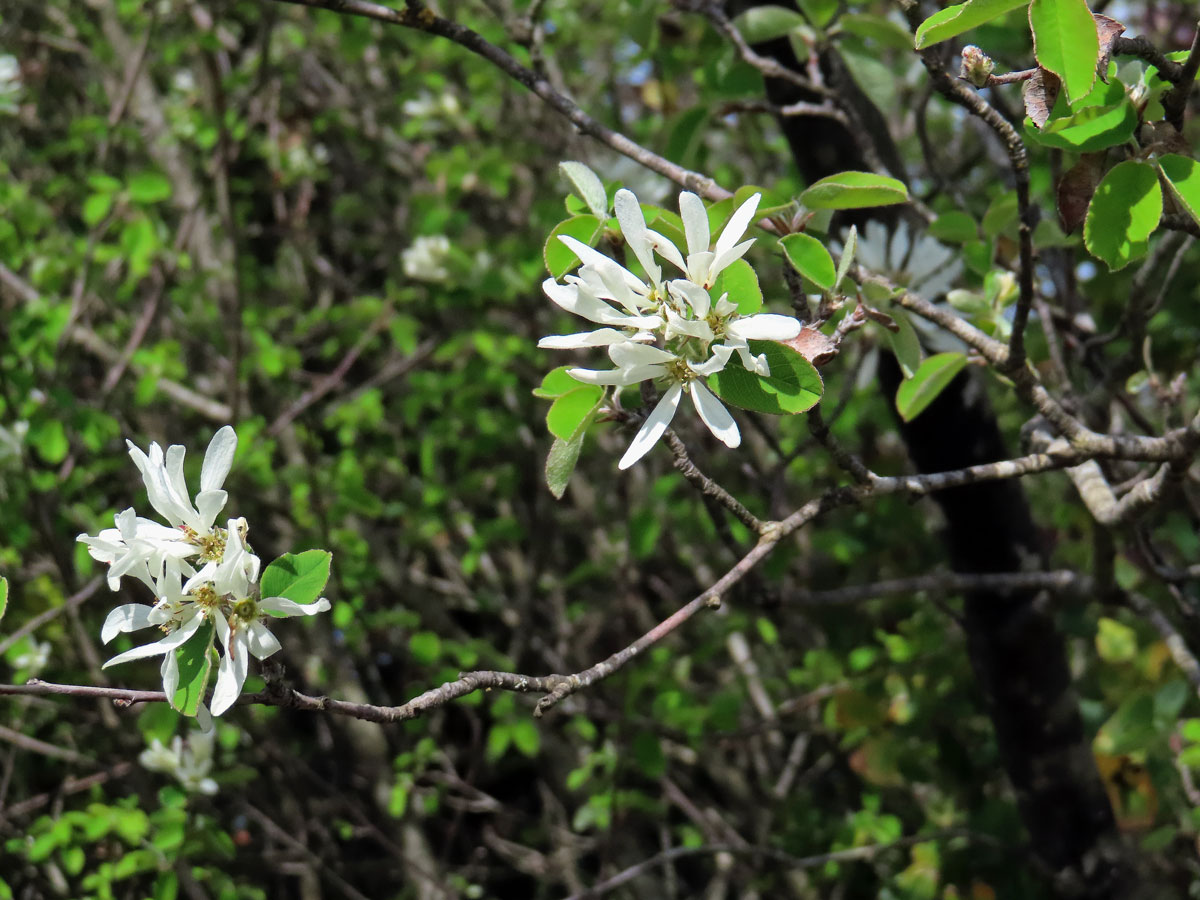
977	66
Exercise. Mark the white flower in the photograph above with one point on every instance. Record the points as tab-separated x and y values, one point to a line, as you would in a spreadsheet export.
244	633
666	330
427	258
926	267
189	764
139	547
165	485
34	659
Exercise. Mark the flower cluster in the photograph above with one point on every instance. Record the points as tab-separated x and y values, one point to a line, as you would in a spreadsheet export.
201	574
188	763
672	331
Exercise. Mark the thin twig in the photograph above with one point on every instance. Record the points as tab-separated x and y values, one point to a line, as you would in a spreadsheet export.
708	487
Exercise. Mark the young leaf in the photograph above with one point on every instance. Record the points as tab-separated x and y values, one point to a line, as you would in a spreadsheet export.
877	28
556	383
558	256
847	259
564	453
1123	213
299	577
195	667
904	343
1075	190
3	595
927	382
1183	178
569	411
589	186
1066	43
740	281
809	257
149	187
954	20
794	386
854	190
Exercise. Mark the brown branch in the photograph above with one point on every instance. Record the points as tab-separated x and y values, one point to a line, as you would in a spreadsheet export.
1060	581
708	487
1175	100
75	600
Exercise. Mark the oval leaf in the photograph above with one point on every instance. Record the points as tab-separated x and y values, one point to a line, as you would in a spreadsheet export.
927	382
195	667
558	256
740	281
1123	213
1066	43
809	257
1183	178
854	190
764	23
589	186
569	411
954	227
3	595
793	386
299	577
954	20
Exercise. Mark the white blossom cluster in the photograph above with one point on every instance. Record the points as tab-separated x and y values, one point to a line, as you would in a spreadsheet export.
673	331
199	572
189	763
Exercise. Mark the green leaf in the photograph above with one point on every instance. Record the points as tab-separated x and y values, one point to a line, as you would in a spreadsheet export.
648	752
569	411
793	386
556	383
877	28
764	23
1115	641
195	667
3	595
49	439
589	186
1065	42
847	259
740	281
1104	118
1183	178
954	20
525	737
927	382
904	343
300	577
819	12
809	257
149	187
1123	213
854	190
954	227
564	453
96	207
425	647
558	257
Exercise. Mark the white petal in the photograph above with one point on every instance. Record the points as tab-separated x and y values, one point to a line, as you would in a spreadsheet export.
284	607
620	377
699	267
695	296
765	327
714	414
209	504
633	227
593	257
715	363
129	617
231	676
696	328
667	250
695	222
218	458
170	675
654	426
175	639
599	338
726	258
630	354
261	642
737	225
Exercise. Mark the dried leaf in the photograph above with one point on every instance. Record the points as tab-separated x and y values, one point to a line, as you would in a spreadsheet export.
1040	92
1107	30
814	346
1075	189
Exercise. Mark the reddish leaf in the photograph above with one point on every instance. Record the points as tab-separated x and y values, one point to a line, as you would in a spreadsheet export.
1107	30
1040	92
814	346
1075	190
